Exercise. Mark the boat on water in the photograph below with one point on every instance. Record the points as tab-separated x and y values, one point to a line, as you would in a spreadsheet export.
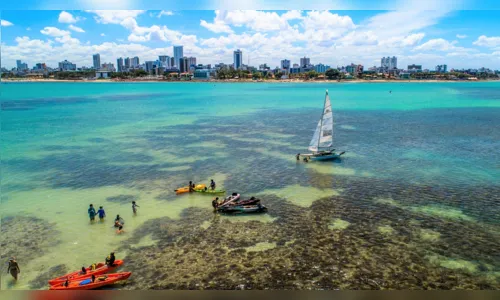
210	191
230	200
237	209
322	140
185	189
101	268
86	283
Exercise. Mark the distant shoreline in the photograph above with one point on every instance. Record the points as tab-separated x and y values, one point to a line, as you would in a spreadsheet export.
244	81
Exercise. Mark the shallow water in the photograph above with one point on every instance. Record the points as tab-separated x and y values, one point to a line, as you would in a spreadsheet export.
421	167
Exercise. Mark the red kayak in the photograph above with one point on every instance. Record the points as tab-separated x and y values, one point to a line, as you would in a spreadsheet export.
87	284
101	268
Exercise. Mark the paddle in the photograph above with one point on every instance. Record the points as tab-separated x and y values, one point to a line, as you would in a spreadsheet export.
341	153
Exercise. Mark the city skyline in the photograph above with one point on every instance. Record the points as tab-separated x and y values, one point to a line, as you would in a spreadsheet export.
332	38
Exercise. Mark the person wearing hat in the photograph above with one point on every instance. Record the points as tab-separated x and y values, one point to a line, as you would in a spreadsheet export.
110	260
13	268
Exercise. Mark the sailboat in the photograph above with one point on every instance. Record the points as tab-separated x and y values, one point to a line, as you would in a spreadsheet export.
322	140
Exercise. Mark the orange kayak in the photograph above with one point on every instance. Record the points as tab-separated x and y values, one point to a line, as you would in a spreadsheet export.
87	284
101	268
185	189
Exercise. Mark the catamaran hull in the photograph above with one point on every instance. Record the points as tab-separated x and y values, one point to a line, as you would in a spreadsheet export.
325	157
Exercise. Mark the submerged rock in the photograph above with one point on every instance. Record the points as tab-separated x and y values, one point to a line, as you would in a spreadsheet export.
41	281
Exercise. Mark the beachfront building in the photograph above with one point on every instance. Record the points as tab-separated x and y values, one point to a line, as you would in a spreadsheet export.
414	68
21	67
178	54
389	63
305	62
201	74
67	66
108	67
164	60
441	68
119	64
96	58
127	63
184	65
135	62
149	66
191	62
354	69
321	68
237	59
285	64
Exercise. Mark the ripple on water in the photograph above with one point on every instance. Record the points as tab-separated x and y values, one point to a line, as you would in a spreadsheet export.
301	195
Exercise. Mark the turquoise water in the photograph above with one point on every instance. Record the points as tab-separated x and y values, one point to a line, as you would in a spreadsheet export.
426	151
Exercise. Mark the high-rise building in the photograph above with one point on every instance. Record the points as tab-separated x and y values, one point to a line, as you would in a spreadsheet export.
305	62
127	63
178	54
21	66
414	68
441	68
238	59
108	67
191	61
285	64
97	61
135	62
149	66
40	66
184	65
321	68
67	66
172	62
393	63
119	64
389	63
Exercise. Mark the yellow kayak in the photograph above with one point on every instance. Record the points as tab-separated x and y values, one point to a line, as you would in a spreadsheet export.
185	189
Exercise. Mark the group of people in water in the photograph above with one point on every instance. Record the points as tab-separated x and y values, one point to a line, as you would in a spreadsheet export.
192	186
102	214
298	158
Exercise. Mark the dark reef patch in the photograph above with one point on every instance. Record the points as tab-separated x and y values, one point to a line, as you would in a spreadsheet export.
41	281
122	198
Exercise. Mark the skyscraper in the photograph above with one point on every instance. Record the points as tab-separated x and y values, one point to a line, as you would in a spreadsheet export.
191	61
164	60
184	64
305	61
285	64
393	63
238	59
127	63
389	63
119	64
21	66
172	62
149	66
97	61
135	62
178	54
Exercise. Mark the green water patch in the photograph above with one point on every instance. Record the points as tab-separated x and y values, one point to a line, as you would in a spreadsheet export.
387	201
386	230
442	212
264	218
338	224
259	247
123	199
453	264
145	241
429	235
348	127
176	168
328	168
301	195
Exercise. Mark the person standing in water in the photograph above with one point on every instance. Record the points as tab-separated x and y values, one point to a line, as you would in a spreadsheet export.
13	268
119	221
215	203
212	184
91	212
101	213
134	207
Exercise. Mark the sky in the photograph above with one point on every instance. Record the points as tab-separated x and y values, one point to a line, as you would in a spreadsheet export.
423	33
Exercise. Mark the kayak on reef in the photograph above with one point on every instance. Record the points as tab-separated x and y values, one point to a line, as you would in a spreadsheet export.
230	199
209	191
101	268
185	189
243	209
86	283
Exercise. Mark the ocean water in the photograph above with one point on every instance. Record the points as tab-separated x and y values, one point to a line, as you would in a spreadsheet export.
418	186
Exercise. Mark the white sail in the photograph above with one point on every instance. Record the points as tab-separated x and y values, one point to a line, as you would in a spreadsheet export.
323	135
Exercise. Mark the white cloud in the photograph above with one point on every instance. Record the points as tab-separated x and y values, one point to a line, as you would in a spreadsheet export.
412	39
75	28
114	16
485	41
5	23
461	36
102	34
165	13
216	26
326	20
28	28
66	17
252	19
55	32
436	45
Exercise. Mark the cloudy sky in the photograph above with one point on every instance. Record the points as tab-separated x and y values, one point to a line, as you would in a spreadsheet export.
458	38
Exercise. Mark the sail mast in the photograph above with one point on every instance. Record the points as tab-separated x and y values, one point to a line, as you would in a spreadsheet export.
321	123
